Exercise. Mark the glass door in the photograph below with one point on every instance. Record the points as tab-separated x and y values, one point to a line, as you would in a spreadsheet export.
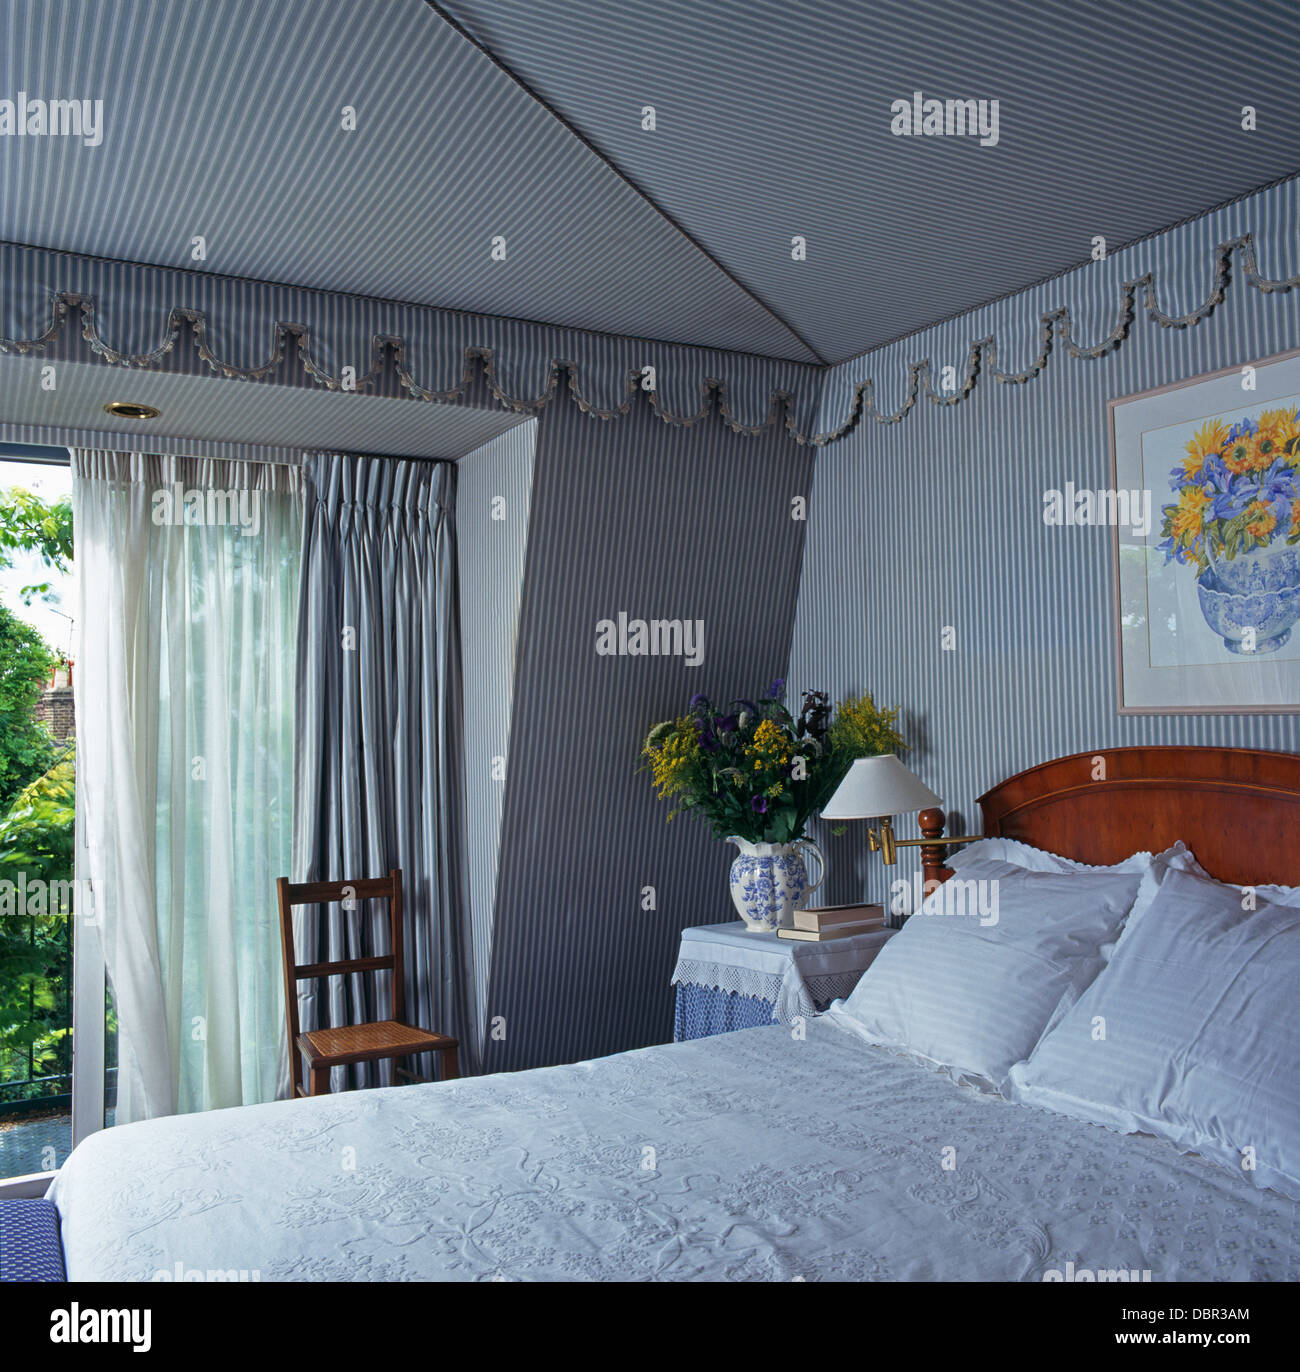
42	948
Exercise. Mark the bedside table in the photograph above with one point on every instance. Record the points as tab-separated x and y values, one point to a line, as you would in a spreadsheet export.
728	978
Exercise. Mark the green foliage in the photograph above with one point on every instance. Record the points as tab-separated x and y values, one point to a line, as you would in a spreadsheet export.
37	834
862	729
26	748
755	772
37	802
37	839
30	524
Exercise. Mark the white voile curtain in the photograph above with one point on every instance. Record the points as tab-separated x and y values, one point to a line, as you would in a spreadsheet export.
188	574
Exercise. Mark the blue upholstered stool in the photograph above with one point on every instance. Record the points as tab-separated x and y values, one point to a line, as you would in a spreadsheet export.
29	1241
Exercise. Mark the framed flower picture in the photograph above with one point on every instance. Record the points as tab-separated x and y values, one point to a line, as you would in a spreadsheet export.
1208	570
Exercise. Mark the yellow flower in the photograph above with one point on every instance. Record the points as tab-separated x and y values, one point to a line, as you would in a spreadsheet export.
1205	442
674	759
1295	517
1241	455
1264	522
1192	463
1188	521
1276	429
863	729
769	747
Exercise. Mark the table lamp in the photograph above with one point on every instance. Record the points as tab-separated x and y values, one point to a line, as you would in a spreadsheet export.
879	788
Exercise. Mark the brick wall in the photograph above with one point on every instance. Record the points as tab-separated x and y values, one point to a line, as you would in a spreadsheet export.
56	710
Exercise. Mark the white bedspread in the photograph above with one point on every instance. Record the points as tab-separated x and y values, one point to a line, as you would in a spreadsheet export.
750	1156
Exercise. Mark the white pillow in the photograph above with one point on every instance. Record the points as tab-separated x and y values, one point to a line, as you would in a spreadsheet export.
1039	859
1153	867
974	988
1275	895
1201	1038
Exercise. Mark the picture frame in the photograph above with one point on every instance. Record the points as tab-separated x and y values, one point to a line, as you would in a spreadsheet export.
1207	585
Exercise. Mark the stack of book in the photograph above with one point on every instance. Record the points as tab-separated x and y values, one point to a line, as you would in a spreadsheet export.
834	921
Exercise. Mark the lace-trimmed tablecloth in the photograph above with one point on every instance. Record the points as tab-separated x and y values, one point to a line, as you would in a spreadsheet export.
798	978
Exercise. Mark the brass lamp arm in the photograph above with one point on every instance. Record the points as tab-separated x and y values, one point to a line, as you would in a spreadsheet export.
882	840
937	842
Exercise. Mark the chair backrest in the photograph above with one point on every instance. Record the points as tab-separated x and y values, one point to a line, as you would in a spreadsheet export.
328	892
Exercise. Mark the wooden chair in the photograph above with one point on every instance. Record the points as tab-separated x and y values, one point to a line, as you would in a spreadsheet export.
391	1038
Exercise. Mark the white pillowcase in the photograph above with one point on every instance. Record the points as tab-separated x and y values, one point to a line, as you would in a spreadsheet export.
1152	867
1201	1037
974	995
1275	895
1039	859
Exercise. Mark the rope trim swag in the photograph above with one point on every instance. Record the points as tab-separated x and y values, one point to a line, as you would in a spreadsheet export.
1055	328
386	347
1057	325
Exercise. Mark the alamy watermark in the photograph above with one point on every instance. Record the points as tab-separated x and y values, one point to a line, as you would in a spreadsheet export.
624	637
963	898
34	897
174	505
74	1324
25	116
179	1272
920	117
1080	507
1099	1274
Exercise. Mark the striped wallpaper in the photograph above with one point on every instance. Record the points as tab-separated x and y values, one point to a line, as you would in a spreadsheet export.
490	565
937	521
625	515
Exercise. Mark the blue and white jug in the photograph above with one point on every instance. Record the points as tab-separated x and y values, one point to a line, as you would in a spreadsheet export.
769	882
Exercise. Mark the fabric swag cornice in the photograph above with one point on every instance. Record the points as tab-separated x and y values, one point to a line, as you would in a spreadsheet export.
64	306
69	307
1139	298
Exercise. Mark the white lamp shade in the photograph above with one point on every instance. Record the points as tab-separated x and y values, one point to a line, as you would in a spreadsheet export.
877	786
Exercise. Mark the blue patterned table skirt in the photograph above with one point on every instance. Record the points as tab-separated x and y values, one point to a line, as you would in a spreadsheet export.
30	1249
704	1010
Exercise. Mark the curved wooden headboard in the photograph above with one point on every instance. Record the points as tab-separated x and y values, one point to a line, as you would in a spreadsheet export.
1237	809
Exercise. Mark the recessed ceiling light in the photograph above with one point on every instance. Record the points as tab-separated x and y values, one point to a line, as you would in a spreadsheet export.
126	409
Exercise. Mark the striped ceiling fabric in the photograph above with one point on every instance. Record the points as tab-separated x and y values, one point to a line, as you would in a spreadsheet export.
225	121
519	120
773	120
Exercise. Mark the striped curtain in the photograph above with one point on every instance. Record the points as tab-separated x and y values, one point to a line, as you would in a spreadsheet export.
378	746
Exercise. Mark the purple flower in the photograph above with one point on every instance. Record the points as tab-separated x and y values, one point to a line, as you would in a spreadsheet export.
698	700
725	724
777	689
759	805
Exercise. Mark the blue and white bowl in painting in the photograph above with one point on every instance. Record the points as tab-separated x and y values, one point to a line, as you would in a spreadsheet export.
1253	600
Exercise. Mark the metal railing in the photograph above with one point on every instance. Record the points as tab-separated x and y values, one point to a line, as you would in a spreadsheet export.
19	1094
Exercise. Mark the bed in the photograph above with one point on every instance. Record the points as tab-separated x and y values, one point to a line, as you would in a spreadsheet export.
758	1155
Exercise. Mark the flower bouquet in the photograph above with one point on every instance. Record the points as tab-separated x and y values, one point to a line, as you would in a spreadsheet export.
1237	521
756	775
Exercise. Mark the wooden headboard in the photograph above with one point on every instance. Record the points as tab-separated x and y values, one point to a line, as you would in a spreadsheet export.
1237	809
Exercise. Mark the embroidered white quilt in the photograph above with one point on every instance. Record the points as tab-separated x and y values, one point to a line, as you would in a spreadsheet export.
751	1156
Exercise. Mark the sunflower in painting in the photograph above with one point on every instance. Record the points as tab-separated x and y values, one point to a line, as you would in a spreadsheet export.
1237	488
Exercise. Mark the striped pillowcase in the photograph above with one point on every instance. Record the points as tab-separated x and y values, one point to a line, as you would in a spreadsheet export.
993	958
1189	1034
